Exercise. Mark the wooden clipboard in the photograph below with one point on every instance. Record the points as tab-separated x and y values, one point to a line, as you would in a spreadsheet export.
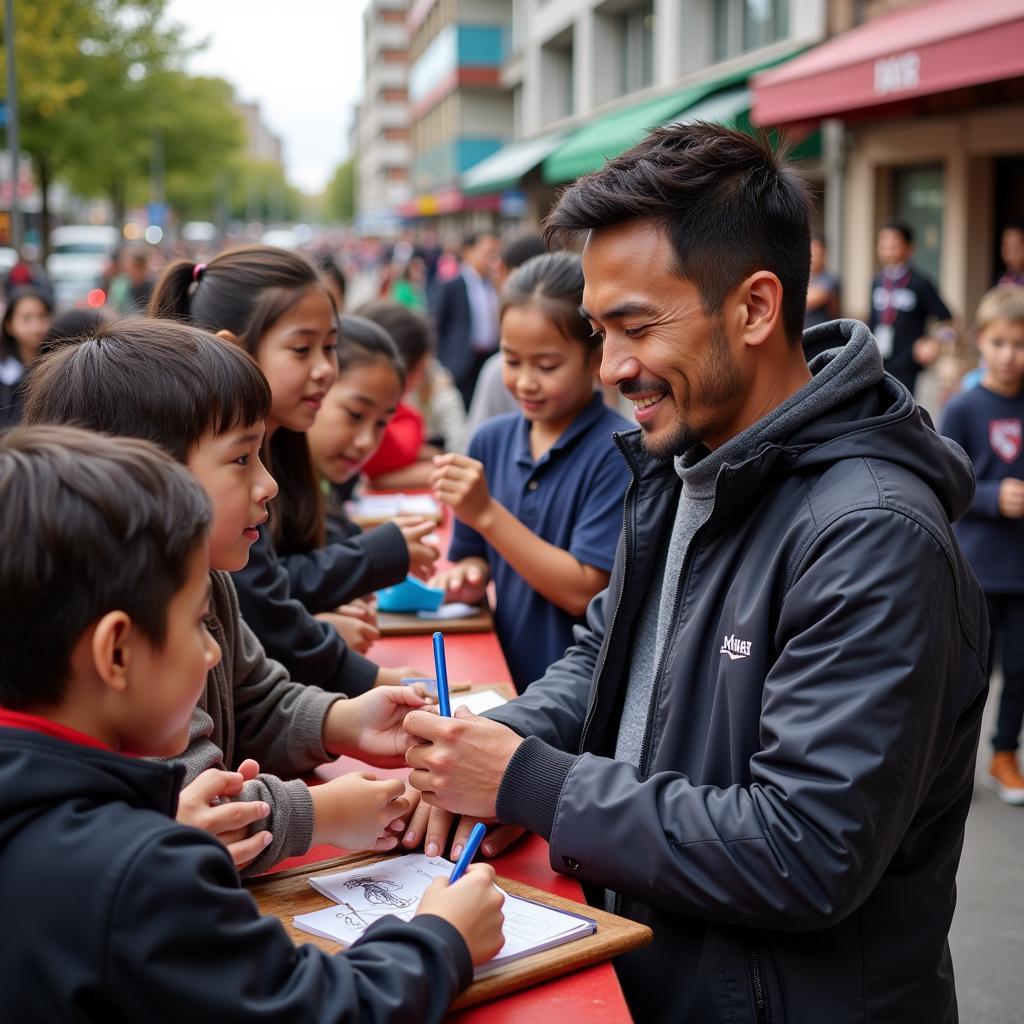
410	624
287	893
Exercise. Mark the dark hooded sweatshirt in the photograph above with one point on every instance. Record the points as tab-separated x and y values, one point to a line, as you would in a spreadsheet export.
113	912
793	819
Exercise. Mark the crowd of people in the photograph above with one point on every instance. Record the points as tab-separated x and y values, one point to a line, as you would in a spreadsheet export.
751	625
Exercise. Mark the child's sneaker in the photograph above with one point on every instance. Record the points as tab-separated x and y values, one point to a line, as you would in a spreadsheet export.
1005	778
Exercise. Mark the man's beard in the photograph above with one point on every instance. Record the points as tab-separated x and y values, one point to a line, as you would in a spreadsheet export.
720	382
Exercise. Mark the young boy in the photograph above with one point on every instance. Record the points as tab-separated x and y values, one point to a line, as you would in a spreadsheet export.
204	401
988	422
115	912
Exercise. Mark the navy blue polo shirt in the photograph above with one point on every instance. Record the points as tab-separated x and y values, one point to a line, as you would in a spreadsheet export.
571	497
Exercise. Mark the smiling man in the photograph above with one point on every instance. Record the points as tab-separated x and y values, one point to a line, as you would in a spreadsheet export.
763	743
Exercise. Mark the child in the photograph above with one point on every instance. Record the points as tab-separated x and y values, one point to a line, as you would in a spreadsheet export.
430	390
988	423
349	428
22	330
272	304
120	913
539	498
205	401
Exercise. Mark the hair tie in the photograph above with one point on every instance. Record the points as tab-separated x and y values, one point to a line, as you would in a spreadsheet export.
197	271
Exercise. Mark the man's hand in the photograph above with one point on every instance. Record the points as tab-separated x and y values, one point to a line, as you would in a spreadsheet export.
458	763
459	482
1011	498
422	556
466	581
370	726
206	803
432	825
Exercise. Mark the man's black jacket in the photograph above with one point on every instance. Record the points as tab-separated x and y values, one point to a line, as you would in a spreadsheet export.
793	830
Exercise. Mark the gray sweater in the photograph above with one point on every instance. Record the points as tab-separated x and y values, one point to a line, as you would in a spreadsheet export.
250	708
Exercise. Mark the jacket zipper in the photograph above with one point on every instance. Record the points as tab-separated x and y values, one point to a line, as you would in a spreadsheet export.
760	995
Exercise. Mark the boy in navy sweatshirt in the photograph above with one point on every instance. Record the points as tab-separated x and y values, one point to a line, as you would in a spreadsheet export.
988	423
120	913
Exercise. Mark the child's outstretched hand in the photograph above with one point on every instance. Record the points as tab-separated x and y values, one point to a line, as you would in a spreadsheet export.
357	812
466	581
422	556
370	726
206	803
459	482
473	906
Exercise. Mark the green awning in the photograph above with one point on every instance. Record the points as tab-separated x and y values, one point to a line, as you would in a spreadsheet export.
730	108
606	137
505	169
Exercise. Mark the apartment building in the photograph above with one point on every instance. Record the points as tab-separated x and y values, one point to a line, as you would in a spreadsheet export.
588	78
459	109
381	131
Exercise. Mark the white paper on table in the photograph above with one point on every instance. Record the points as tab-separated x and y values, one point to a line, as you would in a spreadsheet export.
455	610
478	701
366	894
387	506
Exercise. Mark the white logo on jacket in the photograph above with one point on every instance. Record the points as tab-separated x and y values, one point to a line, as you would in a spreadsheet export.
735	647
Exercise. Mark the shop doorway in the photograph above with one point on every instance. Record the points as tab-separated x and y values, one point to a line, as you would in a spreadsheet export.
919	194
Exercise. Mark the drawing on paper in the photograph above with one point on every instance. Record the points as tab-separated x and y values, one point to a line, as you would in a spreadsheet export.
380	891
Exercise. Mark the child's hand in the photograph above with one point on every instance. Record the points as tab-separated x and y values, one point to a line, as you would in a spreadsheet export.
422	556
1011	498
394	676
206	803
358	811
465	582
357	633
360	608
370	726
459	482
473	906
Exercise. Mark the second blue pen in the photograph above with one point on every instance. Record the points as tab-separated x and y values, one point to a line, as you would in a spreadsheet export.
441	671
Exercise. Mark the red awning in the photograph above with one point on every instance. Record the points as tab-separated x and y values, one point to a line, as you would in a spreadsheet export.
931	47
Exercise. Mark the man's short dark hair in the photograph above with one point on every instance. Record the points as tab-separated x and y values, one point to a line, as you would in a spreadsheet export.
901	227
728	202
90	525
156	379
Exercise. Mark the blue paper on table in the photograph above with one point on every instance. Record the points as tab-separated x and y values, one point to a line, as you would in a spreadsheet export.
411	595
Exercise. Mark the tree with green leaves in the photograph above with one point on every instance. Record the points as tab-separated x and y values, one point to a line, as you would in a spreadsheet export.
340	198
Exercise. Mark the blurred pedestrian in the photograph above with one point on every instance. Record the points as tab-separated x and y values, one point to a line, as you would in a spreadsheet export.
22	330
466	313
133	284
1011	248
27	272
409	285
822	291
903	301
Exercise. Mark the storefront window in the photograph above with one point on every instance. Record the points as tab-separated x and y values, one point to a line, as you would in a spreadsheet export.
919	198
743	25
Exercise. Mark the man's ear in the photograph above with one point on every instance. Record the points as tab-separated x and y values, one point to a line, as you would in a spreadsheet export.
226	335
759	307
111	649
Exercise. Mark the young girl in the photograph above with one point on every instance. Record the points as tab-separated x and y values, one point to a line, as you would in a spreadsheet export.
25	323
539	498
271	303
350	426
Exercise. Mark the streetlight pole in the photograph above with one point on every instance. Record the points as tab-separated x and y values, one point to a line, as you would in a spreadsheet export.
13	139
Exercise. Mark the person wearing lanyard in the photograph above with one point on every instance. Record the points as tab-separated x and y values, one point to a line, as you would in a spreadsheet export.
902	301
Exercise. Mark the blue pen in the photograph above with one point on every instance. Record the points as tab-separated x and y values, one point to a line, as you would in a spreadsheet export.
441	671
476	837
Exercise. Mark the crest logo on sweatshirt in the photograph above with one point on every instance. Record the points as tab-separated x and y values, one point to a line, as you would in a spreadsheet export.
1005	437
735	647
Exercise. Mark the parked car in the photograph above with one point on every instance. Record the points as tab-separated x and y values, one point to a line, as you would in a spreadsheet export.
79	256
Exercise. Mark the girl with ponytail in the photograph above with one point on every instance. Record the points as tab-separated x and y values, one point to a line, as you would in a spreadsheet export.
271	303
